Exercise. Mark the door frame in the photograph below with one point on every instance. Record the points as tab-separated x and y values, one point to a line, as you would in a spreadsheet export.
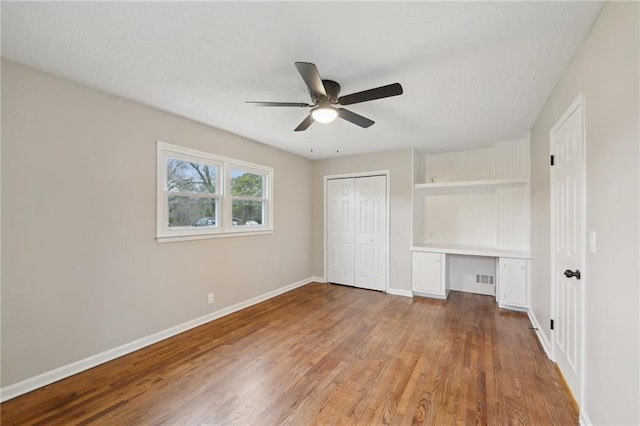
325	179
577	103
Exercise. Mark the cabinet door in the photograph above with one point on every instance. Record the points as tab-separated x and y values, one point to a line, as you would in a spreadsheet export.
427	273
514	281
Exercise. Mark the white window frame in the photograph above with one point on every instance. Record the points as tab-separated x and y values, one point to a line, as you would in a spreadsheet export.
247	168
224	227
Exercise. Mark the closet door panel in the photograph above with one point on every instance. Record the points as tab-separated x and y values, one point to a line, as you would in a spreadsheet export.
379	234
371	235
340	235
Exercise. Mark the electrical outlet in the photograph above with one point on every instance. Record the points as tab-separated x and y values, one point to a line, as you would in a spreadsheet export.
210	298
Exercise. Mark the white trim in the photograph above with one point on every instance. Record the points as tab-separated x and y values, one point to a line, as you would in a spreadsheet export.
432	295
357	175
324	226
400	292
542	338
471	183
577	103
172	239
387	174
325	179
517	308
471	251
583	419
33	383
318	279
585	268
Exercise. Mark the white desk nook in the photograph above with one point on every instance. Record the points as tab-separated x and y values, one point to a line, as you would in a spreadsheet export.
471	226
511	288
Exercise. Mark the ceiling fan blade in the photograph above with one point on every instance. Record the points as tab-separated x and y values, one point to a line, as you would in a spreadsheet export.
356	119
282	104
305	124
311	77
394	89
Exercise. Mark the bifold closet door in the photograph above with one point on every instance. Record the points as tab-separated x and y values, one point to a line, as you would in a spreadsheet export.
370	232
340	235
357	232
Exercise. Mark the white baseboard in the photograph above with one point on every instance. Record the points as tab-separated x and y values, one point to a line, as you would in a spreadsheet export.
33	383
542	338
399	292
432	295
514	308
318	279
584	420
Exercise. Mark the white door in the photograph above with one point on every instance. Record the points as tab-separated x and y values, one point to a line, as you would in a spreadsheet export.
567	234
340	235
371	232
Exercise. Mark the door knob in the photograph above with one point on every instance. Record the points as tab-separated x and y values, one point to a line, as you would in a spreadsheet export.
570	274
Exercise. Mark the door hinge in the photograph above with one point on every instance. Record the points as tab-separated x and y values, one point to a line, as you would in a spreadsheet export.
552	324
552	160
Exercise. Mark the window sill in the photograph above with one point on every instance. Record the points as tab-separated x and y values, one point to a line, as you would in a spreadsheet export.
229	234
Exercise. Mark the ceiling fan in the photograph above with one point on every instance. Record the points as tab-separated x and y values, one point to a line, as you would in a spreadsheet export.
324	95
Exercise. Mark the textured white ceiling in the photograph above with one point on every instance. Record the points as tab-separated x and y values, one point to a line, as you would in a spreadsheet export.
473	73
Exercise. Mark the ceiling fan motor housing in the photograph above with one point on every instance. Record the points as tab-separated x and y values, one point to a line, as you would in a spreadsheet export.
333	90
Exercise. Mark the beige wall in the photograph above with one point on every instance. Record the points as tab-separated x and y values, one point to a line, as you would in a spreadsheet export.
398	163
81	272
605	69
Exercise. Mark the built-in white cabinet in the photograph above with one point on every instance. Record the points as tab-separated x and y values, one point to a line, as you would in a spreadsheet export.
474	203
513	282
429	274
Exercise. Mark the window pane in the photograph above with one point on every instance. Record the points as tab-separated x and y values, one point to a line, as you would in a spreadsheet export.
245	184
247	213
190	211
185	176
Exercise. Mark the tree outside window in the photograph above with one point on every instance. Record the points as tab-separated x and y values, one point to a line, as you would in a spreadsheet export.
192	199
247	192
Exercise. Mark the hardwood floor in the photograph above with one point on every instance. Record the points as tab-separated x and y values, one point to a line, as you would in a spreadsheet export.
324	354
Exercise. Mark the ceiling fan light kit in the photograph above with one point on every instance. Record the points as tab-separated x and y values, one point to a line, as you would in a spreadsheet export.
324	114
324	94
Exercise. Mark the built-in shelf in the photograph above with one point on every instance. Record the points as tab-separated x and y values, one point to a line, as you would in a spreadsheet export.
473	202
471	220
472	183
471	250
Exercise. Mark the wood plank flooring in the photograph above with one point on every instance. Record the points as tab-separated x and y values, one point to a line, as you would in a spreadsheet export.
324	354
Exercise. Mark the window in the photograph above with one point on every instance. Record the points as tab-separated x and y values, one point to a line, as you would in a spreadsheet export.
201	195
192	192
247	196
